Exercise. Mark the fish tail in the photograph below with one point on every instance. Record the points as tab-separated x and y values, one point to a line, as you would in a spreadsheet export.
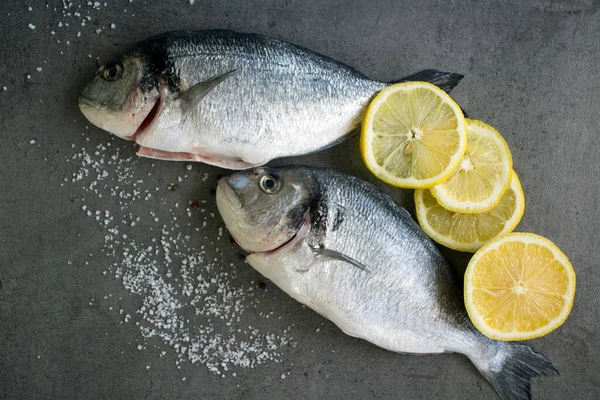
511	377
444	80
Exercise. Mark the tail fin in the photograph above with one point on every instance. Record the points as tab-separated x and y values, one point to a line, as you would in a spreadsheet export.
512	380
444	80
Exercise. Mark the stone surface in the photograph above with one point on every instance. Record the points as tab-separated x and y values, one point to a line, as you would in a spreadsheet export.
531	72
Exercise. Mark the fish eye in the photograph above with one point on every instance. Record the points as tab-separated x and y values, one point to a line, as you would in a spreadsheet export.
269	184
112	72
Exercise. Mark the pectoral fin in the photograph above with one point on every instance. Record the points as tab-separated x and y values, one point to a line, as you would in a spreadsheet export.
223	161
191	98
323	252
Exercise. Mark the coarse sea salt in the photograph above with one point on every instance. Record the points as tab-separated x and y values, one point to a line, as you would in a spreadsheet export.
188	296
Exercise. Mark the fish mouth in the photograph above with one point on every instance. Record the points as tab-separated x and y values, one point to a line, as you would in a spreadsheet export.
84	102
228	191
147	121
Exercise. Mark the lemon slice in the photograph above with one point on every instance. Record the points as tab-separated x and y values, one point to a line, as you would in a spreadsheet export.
468	232
413	135
519	286
483	174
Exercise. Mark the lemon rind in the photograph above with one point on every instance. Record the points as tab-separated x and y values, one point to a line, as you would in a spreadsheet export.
443	197
552	325
382	173
510	225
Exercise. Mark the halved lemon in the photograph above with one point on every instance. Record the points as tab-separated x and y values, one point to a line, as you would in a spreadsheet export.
468	232
483	174
519	286
413	135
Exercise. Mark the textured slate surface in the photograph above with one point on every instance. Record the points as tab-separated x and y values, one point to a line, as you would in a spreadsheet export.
531	71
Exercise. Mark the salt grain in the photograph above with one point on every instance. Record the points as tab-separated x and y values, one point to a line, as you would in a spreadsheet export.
31	26
189	297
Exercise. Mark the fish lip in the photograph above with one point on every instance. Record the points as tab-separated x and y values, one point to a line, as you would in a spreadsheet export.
154	111
228	190
232	197
84	102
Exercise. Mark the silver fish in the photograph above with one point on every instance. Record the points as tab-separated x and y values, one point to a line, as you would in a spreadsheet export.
343	248
229	99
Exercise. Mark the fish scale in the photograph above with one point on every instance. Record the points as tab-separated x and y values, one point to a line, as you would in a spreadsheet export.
272	99
342	247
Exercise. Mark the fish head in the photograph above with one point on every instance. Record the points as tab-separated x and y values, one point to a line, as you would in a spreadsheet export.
122	97
265	208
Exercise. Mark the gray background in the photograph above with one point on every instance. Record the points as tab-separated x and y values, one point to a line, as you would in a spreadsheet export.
531	71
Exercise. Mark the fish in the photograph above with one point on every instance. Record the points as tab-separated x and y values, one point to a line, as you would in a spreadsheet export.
342	247
231	99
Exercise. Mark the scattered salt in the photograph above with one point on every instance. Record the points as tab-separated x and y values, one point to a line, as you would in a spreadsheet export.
32	141
31	26
39	69
189	297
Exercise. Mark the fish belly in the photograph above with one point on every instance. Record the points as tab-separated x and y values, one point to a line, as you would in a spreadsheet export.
361	306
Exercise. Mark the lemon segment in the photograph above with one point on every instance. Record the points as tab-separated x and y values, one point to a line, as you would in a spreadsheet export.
519	286
413	135
482	176
468	232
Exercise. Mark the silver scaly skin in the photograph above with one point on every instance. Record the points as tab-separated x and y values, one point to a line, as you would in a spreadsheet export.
230	99
345	249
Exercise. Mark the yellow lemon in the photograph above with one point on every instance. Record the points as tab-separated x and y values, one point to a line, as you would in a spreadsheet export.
468	232
482	176
519	286
413	135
